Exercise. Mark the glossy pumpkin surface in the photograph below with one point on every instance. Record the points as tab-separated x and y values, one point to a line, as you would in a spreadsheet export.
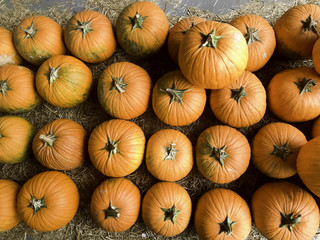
316	128
8	53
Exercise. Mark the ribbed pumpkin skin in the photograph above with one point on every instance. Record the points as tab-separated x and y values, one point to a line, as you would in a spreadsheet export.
61	199
316	128
18	93
132	99
316	56
214	207
122	194
165	195
246	111
236	147
147	40
8	53
72	86
159	161
46	42
209	67
68	145
128	153
259	51
16	136
263	149
9	216
272	199
96	45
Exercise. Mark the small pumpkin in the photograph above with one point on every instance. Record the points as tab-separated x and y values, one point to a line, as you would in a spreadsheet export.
316	56
275	149
142	29
294	95
60	145
115	204
260	39
177	102
9	216
222	154
316	128
222	214
8	52
64	81
166	209
240	104
169	155
282	210
38	38
18	93
124	90
116	147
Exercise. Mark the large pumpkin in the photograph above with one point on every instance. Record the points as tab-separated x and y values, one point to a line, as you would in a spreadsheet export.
38	38
89	36
115	204
222	214
240	104
213	54
316	128
177	102
166	209
124	90
316	56
60	145
18	93
116	147
142	29
222	154
64	81
282	210
8	52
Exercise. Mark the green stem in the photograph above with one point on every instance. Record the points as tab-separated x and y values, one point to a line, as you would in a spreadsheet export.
239	93
171	152
84	27
219	154
30	31
174	93
252	35
118	84
310	24
226	226
112	211
282	151
111	146
36	204
4	88
289	220
170	213
48	139
210	40
137	21
52	74
305	85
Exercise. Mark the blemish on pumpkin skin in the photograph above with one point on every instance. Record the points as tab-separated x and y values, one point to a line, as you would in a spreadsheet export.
237	39
264	55
6	59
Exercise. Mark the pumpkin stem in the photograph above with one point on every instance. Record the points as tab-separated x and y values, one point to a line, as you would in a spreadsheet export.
289	220
112	211
219	154
239	93
170	213
305	85
282	151
171	152
52	74
4	88
211	40
48	139
118	84
226	226
36	204
175	94
251	35
111	146
84	27
137	21
310	24
30	31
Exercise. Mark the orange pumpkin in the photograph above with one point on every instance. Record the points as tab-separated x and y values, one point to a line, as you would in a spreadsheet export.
169	155
222	214
316	56
38	38
275	149
166	209
60	145
116	147
64	81
240	104
115	204
282	210
213	54
316	128
124	90
9	216
17	89
8	53
222	154
260	39
177	102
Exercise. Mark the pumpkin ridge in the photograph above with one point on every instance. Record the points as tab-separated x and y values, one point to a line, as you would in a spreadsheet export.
226	226
37	204
30	31
137	21
305	85
310	24
211	40
289	221
4	88
84	27
252	35
170	213
112	211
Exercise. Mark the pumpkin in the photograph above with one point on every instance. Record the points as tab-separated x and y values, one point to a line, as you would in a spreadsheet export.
48	201
222	214
16	134
64	81
60	145
142	29
294	95
297	30
17	89
115	204
9	216
166	209
240	104
169	155
260	39
282	210
177	102
316	128
8	53
222	154
124	90
177	33
275	149
89	36
38	38
316	56
116	147
213	54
